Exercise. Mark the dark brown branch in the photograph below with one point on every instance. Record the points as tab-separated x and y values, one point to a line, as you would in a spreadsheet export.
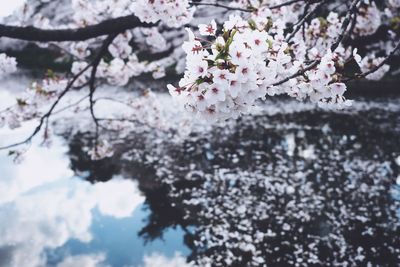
221	6
365	74
303	19
216	4
298	73
345	25
286	4
352	27
92	86
111	26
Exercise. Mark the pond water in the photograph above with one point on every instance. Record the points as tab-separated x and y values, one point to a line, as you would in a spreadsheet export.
289	186
50	217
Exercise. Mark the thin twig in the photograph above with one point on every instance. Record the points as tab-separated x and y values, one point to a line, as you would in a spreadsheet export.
92	87
50	111
92	79
298	73
345	25
44	119
216	4
303	19
221	6
365	74
286	4
71	105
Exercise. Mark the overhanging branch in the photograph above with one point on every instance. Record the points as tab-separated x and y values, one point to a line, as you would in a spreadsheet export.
111	26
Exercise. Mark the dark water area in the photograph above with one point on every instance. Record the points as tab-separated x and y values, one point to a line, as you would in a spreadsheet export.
300	188
308	188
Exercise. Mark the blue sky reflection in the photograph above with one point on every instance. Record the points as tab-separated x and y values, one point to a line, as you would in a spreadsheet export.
48	217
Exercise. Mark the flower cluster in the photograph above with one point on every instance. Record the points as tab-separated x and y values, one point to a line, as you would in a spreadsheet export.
91	12
30	103
102	149
154	39
116	72
124	63
257	54
368	19
394	3
320	84
322	87
7	64
174	13
225	77
324	29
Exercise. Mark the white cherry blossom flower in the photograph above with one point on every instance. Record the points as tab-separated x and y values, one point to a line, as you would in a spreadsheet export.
215	93
208	29
221	77
338	89
198	68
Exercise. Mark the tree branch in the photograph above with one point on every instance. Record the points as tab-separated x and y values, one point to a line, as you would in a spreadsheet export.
365	74
286	4
216	4
298	73
92	87
303	19
221	5
345	25
44	119
50	111
107	27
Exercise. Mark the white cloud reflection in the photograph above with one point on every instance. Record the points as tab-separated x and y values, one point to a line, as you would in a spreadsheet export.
97	260
159	260
42	207
88	260
40	167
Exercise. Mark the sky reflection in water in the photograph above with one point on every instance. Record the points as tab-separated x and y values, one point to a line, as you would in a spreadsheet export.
293	179
48	217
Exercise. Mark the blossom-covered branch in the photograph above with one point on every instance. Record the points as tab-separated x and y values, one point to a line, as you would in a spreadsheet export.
376	67
305	49
43	121
47	115
216	4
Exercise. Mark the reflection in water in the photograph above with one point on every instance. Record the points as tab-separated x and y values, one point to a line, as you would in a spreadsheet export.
288	187
45	214
301	188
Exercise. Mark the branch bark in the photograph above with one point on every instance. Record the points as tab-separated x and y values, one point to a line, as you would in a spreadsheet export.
111	26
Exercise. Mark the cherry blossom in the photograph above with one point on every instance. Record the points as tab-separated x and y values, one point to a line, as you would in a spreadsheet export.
244	63
101	150
234	59
7	64
208	29
173	13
